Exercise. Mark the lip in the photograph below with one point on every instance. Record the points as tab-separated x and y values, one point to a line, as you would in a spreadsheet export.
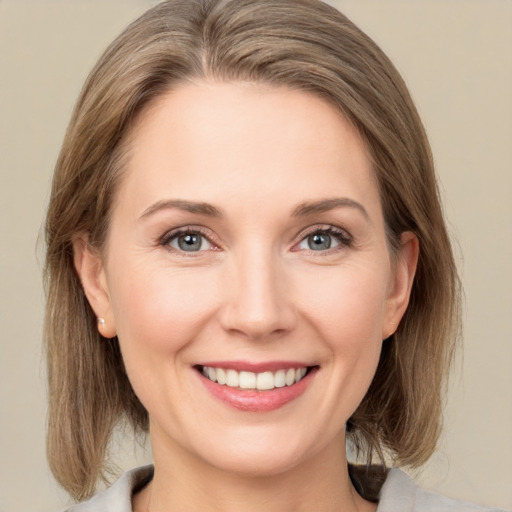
253	400
248	366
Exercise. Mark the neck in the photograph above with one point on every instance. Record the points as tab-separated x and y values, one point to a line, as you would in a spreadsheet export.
186	483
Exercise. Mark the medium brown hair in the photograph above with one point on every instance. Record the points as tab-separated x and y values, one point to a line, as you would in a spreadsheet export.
304	45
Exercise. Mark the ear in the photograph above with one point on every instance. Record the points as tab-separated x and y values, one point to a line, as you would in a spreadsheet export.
90	268
401	283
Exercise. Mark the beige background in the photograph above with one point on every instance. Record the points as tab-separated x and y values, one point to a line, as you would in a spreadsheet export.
456	56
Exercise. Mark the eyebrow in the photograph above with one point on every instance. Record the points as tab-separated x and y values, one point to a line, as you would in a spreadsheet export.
326	205
187	206
301	210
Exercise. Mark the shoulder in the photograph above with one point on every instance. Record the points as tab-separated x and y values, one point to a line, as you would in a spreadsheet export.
400	494
117	498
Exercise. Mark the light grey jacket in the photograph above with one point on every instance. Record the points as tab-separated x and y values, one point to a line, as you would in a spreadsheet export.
399	494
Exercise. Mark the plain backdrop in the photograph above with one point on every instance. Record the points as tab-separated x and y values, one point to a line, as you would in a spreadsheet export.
456	56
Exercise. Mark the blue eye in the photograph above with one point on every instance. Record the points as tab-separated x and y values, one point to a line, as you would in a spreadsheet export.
325	239
321	242
189	241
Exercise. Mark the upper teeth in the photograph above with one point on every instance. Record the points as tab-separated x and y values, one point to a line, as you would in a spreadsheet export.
250	380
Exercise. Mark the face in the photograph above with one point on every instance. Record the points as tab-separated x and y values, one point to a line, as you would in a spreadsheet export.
247	274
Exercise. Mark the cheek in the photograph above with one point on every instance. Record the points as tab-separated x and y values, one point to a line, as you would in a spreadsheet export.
158	313
159	310
347	303
347	310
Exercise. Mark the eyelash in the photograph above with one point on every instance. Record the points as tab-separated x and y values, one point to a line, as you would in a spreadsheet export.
344	239
186	230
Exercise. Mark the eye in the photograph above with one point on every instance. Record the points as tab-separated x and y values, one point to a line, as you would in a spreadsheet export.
319	241
324	239
188	241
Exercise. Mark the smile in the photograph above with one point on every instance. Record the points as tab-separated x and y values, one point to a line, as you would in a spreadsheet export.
256	387
263	381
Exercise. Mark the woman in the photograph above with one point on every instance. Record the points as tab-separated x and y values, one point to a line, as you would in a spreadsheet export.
247	256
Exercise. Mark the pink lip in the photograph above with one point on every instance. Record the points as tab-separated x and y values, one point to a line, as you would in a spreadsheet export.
257	401
246	366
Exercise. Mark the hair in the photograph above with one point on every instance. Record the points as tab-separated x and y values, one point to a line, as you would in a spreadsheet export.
305	45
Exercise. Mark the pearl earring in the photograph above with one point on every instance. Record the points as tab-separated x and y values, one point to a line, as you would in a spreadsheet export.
101	321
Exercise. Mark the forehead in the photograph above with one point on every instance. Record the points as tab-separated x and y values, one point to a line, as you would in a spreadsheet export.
226	139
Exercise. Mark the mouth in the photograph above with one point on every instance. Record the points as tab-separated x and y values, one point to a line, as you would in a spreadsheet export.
256	387
261	381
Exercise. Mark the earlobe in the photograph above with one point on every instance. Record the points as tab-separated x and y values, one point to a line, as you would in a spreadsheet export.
402	281
90	268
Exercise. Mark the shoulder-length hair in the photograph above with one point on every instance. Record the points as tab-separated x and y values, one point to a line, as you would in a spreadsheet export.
302	44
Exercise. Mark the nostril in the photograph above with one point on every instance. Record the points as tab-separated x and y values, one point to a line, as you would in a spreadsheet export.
256	306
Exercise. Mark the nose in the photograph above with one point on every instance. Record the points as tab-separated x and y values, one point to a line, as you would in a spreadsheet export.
259	299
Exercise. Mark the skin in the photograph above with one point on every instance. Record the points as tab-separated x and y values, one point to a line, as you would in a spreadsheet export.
256	291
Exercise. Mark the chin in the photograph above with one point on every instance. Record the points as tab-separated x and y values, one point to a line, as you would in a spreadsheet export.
261	453
257	465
